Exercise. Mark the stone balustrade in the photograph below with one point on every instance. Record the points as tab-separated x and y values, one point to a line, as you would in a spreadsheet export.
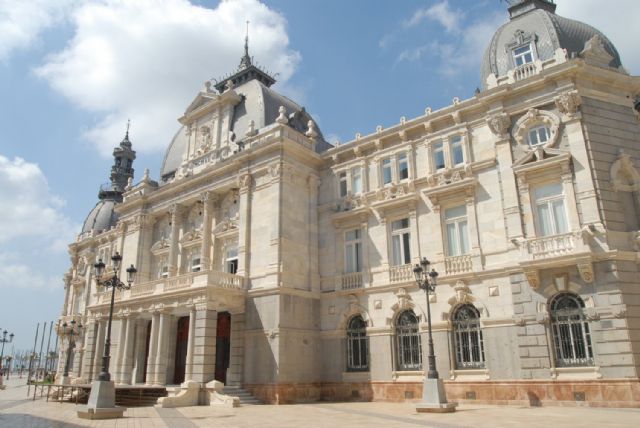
549	246
350	281
401	273
458	264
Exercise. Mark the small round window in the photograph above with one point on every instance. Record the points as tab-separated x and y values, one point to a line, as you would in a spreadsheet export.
539	135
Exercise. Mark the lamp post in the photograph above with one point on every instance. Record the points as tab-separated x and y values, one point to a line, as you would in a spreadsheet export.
101	404
4	340
70	331
434	398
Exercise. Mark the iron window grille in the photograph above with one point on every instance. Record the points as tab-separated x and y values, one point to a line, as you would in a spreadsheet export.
468	340
357	345
408	344
571	334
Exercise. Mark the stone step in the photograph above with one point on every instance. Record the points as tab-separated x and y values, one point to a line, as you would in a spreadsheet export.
245	397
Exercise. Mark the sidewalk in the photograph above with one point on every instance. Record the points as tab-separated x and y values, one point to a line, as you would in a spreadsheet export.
16	411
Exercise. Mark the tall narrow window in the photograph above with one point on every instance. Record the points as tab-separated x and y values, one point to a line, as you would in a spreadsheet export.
538	135
343	184
455	219
387	176
438	155
231	262
196	265
400	242
457	150
356	180
353	251
571	334
523	55
403	167
468	338
550	212
408	347
357	345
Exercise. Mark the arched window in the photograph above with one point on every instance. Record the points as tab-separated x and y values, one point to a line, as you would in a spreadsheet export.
357	345
571	334
408	348
467	338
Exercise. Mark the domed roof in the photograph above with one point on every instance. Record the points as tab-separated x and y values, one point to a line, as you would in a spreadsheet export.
258	103
102	216
536	21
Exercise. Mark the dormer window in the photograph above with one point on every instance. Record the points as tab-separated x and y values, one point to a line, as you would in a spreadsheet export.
538	135
523	55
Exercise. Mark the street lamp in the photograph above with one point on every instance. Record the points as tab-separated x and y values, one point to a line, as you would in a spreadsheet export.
101	404
70	331
434	398
4	340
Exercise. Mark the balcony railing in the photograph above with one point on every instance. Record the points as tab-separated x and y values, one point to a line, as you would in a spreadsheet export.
550	246
524	71
458	264
349	281
401	273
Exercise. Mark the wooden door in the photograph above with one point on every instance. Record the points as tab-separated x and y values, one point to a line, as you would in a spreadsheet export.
223	346
182	340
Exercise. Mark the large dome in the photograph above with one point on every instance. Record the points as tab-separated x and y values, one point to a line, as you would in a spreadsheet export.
102	217
258	103
535	21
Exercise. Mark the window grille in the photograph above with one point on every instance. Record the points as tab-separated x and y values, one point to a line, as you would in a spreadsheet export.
571	334
357	345
408	344
468	338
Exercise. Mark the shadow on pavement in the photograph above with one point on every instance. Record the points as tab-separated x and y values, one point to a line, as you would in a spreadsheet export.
14	420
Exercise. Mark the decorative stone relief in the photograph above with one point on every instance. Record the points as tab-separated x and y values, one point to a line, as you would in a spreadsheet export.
404	301
586	271
595	53
462	294
568	102
532	118
499	125
311	130
624	175
494	291
533	278
244	181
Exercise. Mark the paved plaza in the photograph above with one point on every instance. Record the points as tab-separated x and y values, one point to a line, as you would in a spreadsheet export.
18	411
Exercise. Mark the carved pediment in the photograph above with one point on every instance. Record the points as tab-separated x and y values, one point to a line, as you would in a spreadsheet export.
226	225
160	246
191	236
201	99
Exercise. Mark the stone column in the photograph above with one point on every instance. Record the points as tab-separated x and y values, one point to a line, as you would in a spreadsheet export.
314	274
474	233
151	357
570	199
78	355
365	239
415	235
99	349
117	378
89	347
67	288
176	217
127	352
190	345
208	202
204	346
244	233
237	350
145	241
161	353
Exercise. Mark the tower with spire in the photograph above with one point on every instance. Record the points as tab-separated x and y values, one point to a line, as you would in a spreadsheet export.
122	169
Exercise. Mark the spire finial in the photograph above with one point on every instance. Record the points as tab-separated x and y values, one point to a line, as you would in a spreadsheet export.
246	59
128	124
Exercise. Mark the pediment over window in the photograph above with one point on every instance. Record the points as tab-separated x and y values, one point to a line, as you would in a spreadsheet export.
542	160
451	183
161	246
227	225
395	195
191	237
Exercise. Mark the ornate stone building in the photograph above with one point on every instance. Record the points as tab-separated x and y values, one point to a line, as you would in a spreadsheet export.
270	260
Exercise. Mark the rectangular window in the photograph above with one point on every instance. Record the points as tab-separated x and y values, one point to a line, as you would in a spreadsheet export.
550	211
457	151
438	155
195	264
356	180
403	167
387	176
343	184
164	271
400	242
523	55
231	262
455	220
538	135
353	251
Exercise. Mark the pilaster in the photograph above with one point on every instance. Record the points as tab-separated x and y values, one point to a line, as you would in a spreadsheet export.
176	220
161	353
204	345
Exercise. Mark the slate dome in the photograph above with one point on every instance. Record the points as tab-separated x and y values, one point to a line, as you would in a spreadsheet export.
535	21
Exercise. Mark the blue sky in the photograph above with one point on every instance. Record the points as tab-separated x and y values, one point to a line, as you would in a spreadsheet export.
73	71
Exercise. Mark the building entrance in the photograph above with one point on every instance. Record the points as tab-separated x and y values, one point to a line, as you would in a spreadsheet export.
223	346
182	339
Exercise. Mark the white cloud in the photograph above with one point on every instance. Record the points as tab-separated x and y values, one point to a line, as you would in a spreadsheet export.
440	12
618	22
22	21
146	59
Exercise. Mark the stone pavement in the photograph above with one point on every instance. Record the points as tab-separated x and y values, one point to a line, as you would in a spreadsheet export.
16	411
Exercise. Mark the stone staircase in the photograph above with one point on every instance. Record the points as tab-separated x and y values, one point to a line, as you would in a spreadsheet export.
245	397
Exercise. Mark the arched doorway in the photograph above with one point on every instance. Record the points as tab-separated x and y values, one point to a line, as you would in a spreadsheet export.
182	339
223	346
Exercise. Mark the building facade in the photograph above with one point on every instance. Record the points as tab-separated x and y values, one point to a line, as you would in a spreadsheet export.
271	260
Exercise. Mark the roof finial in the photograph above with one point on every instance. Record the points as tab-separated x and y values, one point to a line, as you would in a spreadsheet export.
246	59
128	124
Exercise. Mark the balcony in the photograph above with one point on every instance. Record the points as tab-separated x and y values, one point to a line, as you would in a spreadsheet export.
401	273
524	71
549	246
458	264
350	281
